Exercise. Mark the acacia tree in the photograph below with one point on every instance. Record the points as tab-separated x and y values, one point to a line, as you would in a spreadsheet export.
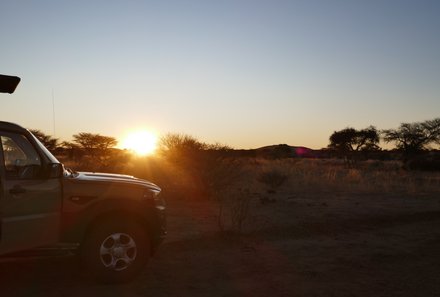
90	141
95	145
352	140
433	126
72	149
413	138
49	142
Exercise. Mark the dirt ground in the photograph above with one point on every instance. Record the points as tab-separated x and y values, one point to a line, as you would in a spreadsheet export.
300	245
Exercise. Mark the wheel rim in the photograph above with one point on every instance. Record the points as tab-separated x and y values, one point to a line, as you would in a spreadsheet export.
118	251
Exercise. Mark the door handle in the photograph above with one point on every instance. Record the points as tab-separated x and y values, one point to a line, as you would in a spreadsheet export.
17	190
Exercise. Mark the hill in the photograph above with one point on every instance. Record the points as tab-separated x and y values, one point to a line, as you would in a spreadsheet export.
277	151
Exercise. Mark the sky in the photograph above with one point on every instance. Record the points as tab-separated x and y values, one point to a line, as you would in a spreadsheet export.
241	73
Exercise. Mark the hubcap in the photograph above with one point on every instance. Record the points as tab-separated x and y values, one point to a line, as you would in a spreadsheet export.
118	251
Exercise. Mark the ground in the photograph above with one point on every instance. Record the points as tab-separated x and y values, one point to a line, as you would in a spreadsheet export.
330	244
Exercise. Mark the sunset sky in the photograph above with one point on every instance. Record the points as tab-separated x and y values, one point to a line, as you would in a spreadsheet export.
242	73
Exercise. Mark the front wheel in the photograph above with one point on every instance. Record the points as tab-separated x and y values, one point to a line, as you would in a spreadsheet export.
115	251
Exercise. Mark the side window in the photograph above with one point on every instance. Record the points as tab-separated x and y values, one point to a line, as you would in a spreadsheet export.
21	159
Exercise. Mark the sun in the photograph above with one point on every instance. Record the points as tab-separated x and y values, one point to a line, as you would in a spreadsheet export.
141	142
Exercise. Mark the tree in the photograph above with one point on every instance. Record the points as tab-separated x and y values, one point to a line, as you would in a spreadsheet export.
175	145
90	141
49	142
352	140
72	150
212	172
186	150
205	163
413	138
69	145
433	126
95	145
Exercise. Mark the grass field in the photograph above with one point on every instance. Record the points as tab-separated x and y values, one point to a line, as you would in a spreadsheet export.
327	230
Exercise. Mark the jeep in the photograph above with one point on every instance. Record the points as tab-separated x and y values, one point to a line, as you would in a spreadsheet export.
113	222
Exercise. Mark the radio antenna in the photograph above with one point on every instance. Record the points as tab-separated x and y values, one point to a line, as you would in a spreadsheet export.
53	112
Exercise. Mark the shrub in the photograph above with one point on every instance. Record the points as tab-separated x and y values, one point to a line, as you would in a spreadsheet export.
233	209
272	178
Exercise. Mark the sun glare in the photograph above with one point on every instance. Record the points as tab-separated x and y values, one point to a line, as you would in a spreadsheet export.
141	142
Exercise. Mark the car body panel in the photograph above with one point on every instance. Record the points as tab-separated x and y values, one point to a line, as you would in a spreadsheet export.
49	211
30	208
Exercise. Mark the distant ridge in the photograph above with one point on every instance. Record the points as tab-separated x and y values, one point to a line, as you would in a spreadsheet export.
278	151
286	151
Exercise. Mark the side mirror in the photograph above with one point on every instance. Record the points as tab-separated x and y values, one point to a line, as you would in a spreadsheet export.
8	83
55	170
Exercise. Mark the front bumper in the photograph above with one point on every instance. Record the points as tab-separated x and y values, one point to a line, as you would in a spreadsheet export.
159	233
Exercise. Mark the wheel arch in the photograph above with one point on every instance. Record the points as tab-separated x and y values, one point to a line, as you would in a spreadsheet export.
76	226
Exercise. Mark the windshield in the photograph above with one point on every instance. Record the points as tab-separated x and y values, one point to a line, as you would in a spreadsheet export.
48	154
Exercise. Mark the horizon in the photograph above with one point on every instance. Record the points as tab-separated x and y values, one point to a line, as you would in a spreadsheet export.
148	144
246	74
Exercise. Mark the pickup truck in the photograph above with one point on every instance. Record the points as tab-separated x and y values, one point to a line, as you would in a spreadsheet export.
113	222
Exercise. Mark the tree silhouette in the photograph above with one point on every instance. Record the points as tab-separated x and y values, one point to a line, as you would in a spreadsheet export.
413	138
433	126
49	142
90	141
207	164
182	148
95	145
349	142
352	140
175	145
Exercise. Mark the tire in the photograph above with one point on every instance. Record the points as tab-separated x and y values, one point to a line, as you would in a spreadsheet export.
115	251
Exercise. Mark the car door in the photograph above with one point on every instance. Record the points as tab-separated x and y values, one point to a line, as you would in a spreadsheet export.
30	203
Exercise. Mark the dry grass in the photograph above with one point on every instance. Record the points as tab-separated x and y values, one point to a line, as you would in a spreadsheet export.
245	203
236	189
328	240
369	177
302	176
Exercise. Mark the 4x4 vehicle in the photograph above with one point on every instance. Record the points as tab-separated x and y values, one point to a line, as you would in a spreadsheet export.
115	222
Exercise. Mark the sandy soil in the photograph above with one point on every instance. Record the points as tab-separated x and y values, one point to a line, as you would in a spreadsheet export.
300	245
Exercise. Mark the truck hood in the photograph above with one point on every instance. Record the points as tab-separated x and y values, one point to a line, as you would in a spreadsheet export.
114	178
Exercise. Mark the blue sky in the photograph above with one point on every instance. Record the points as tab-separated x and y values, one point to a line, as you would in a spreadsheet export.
242	73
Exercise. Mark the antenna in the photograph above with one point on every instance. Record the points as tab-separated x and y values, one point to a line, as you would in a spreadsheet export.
53	112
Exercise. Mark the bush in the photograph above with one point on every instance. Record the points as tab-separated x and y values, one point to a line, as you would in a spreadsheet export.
272	178
233	209
424	163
